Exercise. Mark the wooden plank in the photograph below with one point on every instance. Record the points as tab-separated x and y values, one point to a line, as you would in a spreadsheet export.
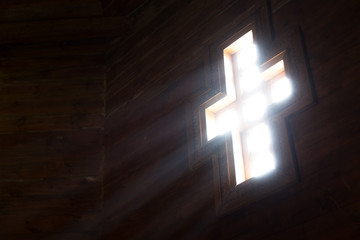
51	155
30	100
90	235
52	167
86	75
46	222
51	144
53	106
63	30
45	206
40	80
21	61
44	123
76	194
24	10
46	89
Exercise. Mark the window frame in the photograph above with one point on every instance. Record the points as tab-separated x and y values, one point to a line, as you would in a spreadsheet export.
288	47
275	71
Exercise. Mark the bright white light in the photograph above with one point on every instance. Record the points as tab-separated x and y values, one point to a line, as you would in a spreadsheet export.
229	77
281	90
238	158
263	164
250	79
210	125
258	139
247	56
255	107
228	67
226	121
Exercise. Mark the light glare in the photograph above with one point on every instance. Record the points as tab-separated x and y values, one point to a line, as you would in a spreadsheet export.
255	107
250	79
247	56
259	139
226	121
281	90
263	164
238	158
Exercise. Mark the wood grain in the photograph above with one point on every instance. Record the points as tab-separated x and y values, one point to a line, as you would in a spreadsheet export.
51	119
93	141
23	10
63	30
142	130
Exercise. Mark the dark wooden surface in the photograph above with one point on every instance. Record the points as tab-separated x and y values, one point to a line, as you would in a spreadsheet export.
93	143
51	118
150	193
23	10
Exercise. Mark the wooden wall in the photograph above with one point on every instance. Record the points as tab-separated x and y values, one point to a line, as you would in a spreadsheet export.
93	142
161	64
51	120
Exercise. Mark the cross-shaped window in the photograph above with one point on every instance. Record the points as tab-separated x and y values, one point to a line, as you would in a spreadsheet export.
251	90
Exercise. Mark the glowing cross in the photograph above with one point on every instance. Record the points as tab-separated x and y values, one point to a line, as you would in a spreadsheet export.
250	91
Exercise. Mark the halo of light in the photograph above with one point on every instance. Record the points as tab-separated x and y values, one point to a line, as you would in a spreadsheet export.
281	90
255	107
